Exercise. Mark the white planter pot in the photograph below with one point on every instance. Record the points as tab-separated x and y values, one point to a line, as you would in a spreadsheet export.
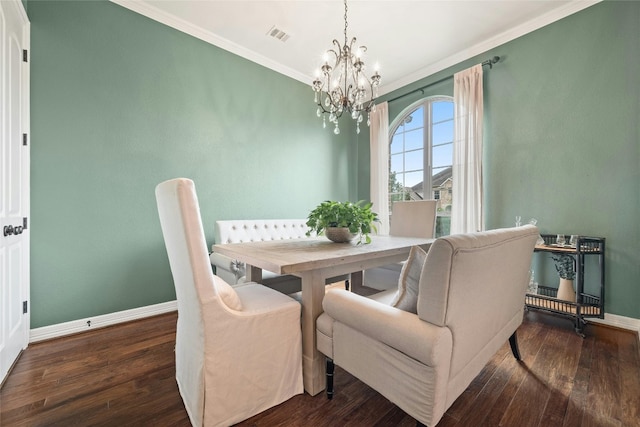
565	290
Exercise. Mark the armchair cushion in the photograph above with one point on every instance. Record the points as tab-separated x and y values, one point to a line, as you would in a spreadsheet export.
407	296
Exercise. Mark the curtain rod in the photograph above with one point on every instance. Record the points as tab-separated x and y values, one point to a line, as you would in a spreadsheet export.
488	62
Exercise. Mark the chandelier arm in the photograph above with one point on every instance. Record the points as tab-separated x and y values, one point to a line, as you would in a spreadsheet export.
351	43
324	110
333	110
336	54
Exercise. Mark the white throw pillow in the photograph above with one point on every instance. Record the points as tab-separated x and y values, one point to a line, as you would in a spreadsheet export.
227	294
407	297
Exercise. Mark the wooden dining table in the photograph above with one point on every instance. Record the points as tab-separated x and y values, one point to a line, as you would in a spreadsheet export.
315	260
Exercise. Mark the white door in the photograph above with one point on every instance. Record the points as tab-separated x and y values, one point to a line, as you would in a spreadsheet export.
14	183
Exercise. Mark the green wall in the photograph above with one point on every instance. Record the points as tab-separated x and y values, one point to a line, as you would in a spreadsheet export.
562	140
120	103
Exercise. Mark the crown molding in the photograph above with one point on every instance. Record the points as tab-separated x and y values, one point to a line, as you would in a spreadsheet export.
145	9
491	43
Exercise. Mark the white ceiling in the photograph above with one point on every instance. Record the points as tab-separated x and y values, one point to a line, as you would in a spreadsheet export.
409	39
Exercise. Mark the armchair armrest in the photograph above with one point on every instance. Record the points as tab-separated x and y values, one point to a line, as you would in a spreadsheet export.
401	330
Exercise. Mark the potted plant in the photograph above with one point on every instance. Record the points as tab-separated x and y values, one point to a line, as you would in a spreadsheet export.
342	221
565	266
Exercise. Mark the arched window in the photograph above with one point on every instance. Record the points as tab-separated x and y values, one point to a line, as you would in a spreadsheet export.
421	156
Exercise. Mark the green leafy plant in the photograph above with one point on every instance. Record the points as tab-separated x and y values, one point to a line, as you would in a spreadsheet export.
357	217
565	266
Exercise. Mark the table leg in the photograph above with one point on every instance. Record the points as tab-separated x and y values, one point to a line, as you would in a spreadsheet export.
356	282
313	290
358	286
254	274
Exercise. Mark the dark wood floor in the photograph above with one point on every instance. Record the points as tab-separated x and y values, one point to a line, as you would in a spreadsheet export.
124	376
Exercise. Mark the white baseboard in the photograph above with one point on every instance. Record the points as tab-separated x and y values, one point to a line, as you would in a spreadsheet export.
82	325
619	322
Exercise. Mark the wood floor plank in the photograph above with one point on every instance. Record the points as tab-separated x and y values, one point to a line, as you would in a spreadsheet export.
125	376
484	404
462	406
629	360
577	404
604	386
71	380
530	399
567	346
487	402
529	348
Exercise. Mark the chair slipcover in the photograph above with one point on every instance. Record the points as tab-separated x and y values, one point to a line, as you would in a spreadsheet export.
471	300
410	218
413	218
230	364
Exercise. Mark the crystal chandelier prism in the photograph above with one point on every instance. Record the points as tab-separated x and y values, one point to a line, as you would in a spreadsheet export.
344	87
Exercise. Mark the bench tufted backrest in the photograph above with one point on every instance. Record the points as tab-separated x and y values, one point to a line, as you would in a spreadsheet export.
255	230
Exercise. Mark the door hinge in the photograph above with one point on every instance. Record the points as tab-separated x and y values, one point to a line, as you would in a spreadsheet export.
24	223
24	139
24	307
25	55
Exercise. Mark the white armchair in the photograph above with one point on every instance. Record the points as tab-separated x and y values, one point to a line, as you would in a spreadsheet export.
470	300
238	350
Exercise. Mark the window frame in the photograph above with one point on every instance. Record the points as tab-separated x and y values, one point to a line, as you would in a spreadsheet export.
443	213
427	147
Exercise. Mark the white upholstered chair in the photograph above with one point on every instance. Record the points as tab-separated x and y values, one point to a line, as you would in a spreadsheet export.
413	218
238	350
470	301
410	218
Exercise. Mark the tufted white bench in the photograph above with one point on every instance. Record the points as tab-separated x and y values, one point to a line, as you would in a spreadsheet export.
239	231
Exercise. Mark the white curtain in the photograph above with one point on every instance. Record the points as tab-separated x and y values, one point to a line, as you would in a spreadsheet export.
466	209
379	180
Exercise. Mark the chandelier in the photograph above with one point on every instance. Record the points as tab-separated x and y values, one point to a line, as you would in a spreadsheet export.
344	88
